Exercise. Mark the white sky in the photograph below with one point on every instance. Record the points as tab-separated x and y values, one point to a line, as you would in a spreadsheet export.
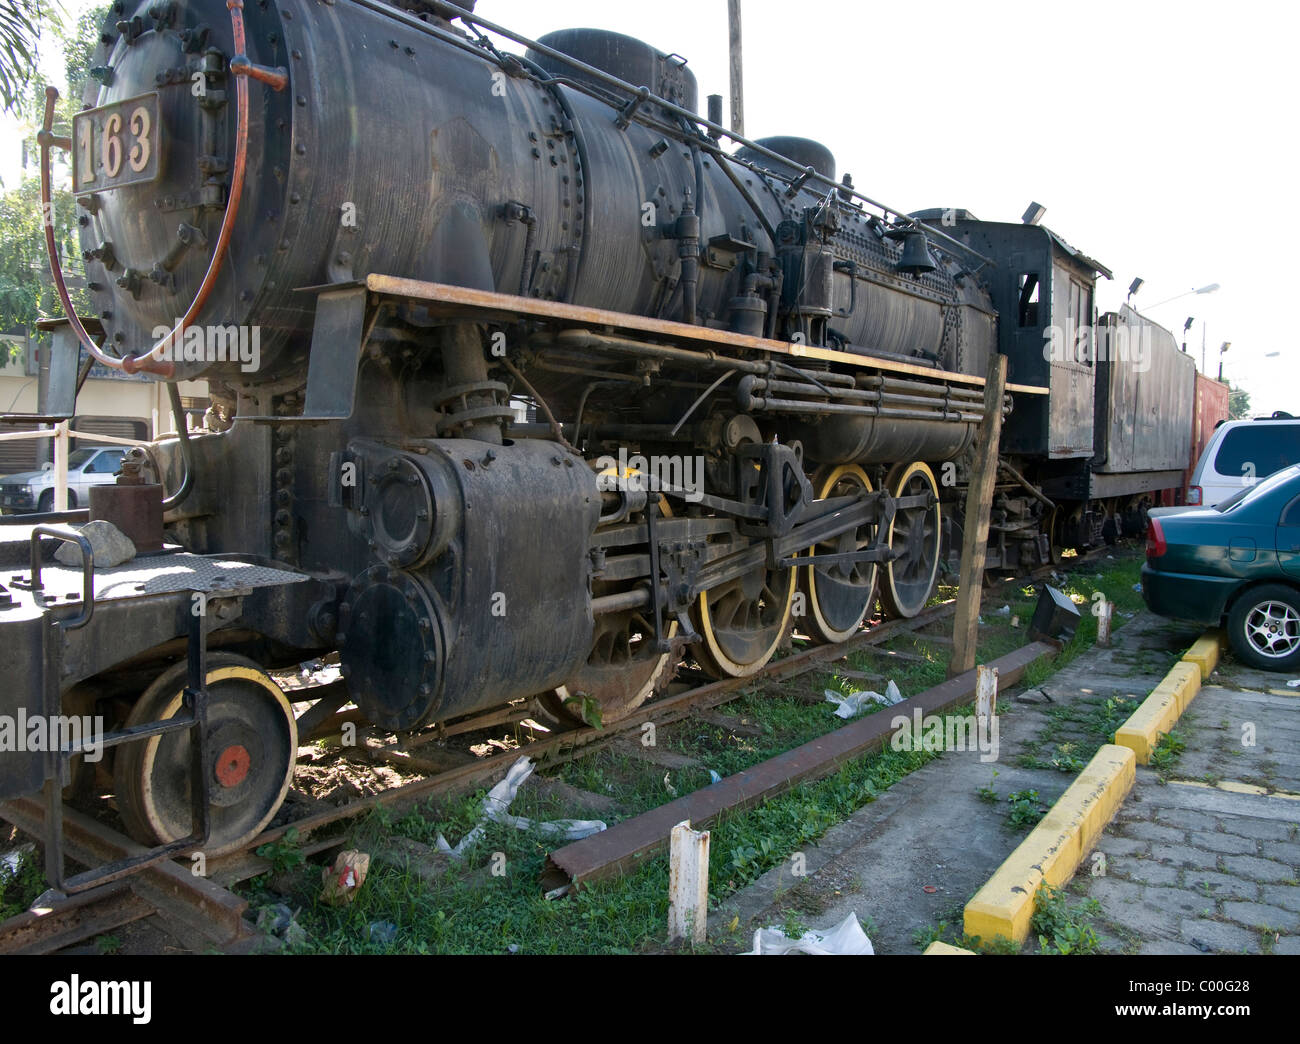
1160	136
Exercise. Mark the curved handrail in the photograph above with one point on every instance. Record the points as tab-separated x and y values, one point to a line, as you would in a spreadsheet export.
242	68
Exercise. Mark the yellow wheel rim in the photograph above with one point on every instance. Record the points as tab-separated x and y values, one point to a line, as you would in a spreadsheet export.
909	580
824	628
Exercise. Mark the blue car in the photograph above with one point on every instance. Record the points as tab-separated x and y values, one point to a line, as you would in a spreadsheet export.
1236	564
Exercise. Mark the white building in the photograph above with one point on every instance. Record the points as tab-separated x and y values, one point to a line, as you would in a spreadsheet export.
110	403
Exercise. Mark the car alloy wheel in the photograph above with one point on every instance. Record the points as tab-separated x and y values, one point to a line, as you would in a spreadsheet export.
1264	627
1273	629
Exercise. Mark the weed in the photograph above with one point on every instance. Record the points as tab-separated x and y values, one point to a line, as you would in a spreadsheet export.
587	707
1063	928
1027	808
793	926
1066	760
923	937
988	794
283	855
1167	751
106	944
998	945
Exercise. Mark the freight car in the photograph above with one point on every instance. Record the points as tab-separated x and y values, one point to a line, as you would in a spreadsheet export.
549	391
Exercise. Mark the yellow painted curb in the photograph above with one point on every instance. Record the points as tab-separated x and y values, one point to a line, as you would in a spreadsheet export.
1160	710
1205	652
1053	849
945	949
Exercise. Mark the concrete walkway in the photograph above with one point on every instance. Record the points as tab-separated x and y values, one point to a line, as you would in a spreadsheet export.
907	863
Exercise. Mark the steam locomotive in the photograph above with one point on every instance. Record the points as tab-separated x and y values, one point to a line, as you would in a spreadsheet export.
553	388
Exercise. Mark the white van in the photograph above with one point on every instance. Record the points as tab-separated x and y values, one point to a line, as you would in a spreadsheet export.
1240	453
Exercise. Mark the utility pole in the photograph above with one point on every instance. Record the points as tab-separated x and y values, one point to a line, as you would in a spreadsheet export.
737	72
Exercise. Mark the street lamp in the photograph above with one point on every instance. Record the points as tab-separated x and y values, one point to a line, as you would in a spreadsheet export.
1187	326
1203	290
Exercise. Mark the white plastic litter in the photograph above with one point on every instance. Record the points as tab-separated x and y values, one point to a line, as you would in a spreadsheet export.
714	777
856	702
845	939
1294	683
1004	611
1137	588
495	807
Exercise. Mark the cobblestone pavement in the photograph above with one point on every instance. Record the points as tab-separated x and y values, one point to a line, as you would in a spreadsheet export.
1206	858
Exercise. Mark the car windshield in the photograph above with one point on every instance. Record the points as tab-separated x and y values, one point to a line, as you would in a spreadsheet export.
1281	478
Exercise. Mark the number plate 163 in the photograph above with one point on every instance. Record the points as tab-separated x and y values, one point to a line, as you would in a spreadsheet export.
115	145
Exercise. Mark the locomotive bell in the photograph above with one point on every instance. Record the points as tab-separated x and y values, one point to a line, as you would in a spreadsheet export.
916	258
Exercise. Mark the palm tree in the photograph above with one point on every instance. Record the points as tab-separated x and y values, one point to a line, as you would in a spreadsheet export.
21	22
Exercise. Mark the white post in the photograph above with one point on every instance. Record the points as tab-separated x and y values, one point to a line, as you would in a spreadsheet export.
688	883
61	466
986	691
1103	624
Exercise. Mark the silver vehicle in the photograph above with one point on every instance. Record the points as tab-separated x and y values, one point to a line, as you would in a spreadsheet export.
1241	453
34	490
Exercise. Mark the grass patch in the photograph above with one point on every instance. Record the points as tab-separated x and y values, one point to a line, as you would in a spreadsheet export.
471	909
1077	730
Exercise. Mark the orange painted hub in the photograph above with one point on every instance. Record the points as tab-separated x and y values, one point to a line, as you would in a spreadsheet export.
232	765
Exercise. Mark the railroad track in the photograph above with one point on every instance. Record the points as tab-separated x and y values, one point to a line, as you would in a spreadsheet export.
204	914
